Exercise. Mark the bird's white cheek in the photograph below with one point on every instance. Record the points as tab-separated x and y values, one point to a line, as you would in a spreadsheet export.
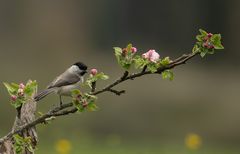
82	79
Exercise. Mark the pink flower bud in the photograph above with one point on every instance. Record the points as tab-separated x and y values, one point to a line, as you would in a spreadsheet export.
210	47
124	52
21	86
145	56
94	71
13	98
134	50
79	96
209	35
205	44
20	92
84	103
151	55
205	38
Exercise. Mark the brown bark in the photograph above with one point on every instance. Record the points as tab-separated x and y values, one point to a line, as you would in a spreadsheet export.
25	115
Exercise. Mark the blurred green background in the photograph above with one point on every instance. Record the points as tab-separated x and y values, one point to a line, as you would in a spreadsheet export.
40	39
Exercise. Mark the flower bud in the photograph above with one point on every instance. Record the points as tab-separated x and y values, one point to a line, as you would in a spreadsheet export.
145	56
79	96
20	92
84	103
124	52
21	86
210	47
209	35
205	45
94	71
14	98
134	50
205	38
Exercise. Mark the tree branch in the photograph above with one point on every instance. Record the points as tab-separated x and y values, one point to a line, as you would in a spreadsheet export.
63	110
117	92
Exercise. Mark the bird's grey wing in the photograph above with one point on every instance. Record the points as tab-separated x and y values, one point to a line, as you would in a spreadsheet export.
64	79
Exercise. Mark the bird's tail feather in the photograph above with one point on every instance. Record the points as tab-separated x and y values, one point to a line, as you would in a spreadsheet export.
43	94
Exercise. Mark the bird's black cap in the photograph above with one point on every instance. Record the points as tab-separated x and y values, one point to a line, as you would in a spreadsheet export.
81	66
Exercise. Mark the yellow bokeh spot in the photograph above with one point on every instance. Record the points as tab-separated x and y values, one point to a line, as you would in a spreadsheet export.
63	146
193	141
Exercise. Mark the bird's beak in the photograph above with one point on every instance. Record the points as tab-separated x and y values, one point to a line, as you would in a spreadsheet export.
83	72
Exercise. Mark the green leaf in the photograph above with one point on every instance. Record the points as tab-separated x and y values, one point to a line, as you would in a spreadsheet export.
21	143
14	85
101	76
202	54
18	103
125	60
30	88
140	62
126	66
12	89
210	51
76	92
129	47
90	96
216	38
199	37
203	32
167	74
118	51
165	61
218	46
152	67
92	106
195	49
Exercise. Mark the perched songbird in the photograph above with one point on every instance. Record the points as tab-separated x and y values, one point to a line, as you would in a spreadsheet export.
66	82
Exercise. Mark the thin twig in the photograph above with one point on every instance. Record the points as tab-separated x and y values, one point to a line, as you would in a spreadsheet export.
117	92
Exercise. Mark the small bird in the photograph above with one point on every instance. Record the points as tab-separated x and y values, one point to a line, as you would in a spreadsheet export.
66	82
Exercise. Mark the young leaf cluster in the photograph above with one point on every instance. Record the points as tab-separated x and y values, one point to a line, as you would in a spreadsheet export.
94	78
207	43
84	102
21	143
125	56
20	93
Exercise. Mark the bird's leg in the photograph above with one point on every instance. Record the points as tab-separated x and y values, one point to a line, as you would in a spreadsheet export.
60	97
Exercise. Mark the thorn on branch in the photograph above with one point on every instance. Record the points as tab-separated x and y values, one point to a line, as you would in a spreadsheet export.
117	92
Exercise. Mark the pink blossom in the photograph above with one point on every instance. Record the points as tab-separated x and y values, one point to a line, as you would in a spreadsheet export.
134	50
94	71
151	55
13	98
21	86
